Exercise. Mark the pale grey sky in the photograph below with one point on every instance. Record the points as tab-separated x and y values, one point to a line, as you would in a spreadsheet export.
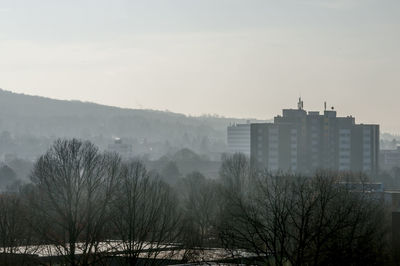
239	58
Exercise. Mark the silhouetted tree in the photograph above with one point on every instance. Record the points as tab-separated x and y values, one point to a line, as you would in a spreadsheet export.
200	202
16	236
236	172
74	186
22	168
146	217
7	176
170	172
285	219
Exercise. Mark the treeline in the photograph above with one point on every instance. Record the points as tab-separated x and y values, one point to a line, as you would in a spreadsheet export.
85	206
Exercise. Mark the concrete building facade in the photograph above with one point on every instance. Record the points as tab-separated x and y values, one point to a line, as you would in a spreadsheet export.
304	142
239	138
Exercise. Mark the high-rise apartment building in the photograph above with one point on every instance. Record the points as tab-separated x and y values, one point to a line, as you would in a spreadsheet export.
304	142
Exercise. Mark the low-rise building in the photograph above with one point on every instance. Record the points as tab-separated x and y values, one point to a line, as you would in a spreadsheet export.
390	158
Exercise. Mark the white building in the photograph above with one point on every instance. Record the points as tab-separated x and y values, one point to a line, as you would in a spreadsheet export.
123	149
239	139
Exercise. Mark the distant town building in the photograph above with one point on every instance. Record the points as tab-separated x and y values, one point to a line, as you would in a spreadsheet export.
390	159
239	138
304	142
366	187
123	149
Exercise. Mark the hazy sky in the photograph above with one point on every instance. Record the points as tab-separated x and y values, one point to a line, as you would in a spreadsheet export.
247	58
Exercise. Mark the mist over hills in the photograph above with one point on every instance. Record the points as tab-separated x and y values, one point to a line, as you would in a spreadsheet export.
28	125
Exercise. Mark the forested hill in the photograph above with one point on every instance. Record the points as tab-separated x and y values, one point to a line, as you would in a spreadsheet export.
25	116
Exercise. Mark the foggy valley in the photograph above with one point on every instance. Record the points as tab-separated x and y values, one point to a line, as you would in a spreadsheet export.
202	132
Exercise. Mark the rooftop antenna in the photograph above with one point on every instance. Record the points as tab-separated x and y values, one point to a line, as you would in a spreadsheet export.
300	104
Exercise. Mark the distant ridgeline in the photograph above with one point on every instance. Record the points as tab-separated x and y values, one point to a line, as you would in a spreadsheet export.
29	124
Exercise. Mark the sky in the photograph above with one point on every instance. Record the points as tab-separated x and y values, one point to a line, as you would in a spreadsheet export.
235	58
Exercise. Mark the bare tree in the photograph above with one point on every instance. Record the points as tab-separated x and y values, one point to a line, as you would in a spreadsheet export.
236	173
74	185
16	237
146	216
200	202
304	221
